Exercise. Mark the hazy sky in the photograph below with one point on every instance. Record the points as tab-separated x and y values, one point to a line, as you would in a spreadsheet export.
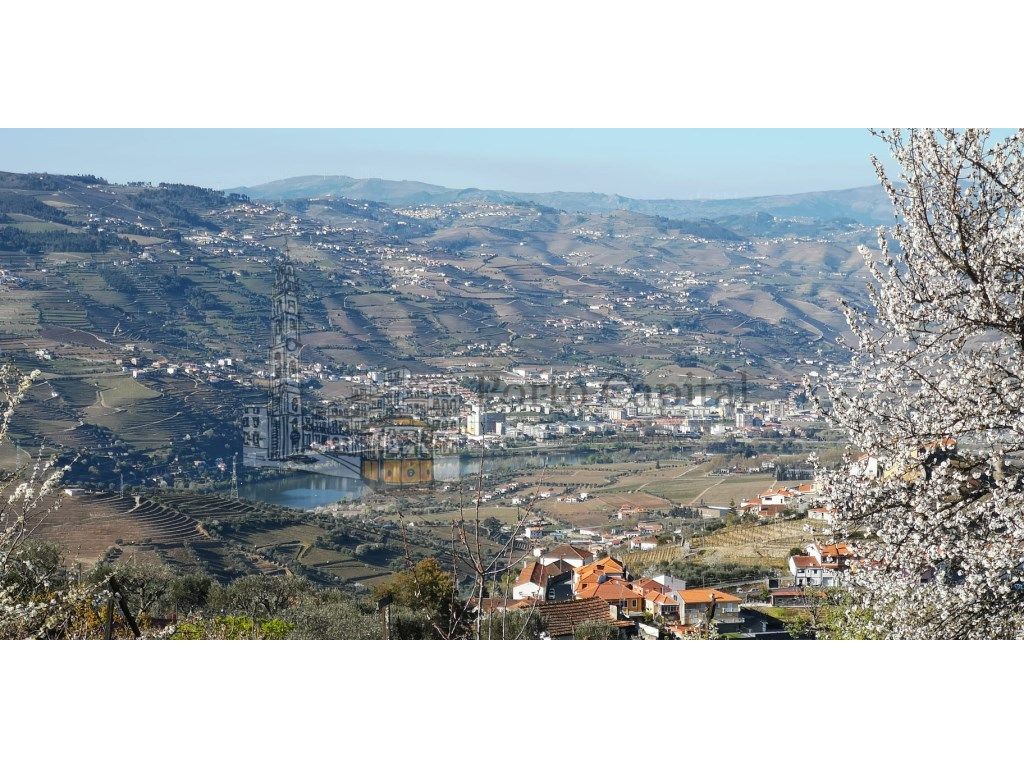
683	163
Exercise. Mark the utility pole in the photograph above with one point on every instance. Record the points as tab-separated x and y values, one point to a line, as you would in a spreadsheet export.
234	476
121	484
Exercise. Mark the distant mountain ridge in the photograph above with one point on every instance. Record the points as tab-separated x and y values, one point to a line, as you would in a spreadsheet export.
865	205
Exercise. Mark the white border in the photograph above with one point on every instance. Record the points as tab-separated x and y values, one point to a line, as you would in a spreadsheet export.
565	63
470	704
531	63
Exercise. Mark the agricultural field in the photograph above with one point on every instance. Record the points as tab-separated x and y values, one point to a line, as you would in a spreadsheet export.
349	569
122	391
614	501
39	226
18	316
278	536
679	482
507	514
636	560
692	486
106	527
301	541
641	476
86	527
755	545
582	514
576	477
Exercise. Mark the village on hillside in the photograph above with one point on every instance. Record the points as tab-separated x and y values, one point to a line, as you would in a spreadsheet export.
571	579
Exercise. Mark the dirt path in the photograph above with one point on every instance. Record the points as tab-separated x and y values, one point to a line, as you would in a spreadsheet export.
151	424
697	498
686	471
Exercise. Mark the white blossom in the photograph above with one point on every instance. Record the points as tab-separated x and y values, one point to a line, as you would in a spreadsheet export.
932	396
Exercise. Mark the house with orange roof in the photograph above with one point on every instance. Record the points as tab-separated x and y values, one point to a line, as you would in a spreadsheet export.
840	552
617	592
698	607
645	585
823	565
771	510
597	571
661	604
771	503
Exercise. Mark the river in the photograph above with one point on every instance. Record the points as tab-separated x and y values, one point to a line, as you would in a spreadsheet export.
304	490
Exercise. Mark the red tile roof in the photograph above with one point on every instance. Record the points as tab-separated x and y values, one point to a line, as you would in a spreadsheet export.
659	598
612	591
606	565
705	595
562	618
569	551
805	561
532	571
836	550
647	585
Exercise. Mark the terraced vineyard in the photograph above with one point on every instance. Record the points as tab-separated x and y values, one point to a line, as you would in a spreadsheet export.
753	544
208	507
143	528
289	538
47	418
636	560
61	308
87	526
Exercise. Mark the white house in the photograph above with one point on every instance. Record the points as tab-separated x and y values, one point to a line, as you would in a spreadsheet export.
643	543
671	583
824	514
809	571
777	496
532	581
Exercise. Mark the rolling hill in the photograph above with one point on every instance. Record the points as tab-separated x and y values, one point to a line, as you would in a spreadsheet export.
863	205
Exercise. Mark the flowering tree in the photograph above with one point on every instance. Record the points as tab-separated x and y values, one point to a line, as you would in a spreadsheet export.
932	398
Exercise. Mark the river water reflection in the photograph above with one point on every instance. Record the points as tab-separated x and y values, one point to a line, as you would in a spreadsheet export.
303	490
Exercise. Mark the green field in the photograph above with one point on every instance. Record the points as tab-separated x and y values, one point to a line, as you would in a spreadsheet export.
41	226
122	391
691	486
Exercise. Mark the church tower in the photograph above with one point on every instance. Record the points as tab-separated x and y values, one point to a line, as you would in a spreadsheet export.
285	411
